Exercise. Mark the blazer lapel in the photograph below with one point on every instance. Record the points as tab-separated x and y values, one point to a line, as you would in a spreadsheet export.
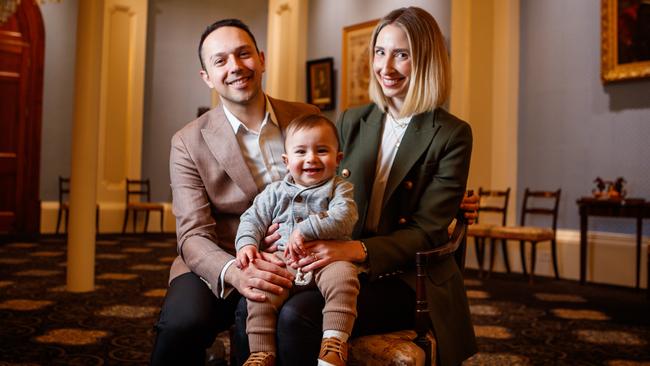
283	118
417	139
363	164
223	145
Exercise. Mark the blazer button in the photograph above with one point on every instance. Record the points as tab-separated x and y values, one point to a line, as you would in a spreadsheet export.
345	173
402	221
298	199
298	219
408	185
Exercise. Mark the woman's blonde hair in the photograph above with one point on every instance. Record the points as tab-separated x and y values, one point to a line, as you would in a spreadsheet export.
430	75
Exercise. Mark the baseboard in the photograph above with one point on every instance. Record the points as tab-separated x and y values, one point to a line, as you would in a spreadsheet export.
610	257
111	218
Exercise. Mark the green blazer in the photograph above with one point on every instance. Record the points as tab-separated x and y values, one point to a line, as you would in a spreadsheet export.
423	194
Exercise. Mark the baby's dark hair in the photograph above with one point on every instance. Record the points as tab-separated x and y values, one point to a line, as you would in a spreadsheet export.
309	121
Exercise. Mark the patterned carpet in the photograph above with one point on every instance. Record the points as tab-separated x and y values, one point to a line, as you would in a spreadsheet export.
550	322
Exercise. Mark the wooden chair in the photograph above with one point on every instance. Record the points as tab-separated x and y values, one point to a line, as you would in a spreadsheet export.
141	190
533	234
64	206
412	347
493	202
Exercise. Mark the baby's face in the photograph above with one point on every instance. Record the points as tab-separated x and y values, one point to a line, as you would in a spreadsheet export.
312	155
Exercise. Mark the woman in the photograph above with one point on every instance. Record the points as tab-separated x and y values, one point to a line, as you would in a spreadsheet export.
408	160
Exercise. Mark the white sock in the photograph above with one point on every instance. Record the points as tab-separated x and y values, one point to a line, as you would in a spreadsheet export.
337	334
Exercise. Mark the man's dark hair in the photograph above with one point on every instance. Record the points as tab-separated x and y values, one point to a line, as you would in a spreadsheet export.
224	23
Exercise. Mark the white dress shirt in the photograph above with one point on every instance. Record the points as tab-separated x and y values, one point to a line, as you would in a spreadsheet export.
391	138
262	150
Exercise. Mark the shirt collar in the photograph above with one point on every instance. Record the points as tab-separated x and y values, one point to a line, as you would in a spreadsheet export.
235	123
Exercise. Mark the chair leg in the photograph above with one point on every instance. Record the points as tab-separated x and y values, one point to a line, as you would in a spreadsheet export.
135	220
554	253
65	216
522	252
146	221
126	220
504	251
492	255
479	246
533	259
58	220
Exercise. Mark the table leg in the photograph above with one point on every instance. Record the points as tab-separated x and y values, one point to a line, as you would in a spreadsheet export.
583	245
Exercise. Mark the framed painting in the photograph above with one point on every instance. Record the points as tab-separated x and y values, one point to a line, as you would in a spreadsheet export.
320	83
355	64
625	39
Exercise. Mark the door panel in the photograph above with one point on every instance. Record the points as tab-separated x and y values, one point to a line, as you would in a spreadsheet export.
21	88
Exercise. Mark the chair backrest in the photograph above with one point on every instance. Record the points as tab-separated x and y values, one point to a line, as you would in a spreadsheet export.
64	188
137	188
533	205
495	201
455	246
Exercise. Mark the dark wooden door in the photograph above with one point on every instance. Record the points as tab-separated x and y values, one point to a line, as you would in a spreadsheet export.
21	97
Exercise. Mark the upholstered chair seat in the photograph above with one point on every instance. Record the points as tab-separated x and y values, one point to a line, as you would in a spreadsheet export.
395	348
527	233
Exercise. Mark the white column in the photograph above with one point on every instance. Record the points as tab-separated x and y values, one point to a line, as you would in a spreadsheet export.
286	52
83	187
485	88
505	100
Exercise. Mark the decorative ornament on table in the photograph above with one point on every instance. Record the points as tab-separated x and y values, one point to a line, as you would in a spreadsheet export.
616	190
606	189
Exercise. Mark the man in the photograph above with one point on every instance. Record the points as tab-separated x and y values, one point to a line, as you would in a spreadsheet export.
218	164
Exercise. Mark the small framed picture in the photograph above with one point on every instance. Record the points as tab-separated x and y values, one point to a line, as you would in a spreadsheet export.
320	83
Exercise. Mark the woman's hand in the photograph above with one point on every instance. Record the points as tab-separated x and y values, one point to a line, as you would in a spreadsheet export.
470	205
324	252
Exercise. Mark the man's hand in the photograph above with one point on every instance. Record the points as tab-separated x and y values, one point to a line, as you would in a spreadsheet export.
268	243
470	205
261	274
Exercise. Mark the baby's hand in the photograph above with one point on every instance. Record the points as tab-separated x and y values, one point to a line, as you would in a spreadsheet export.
295	247
246	255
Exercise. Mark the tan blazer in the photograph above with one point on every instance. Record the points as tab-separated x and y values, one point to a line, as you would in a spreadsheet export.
211	188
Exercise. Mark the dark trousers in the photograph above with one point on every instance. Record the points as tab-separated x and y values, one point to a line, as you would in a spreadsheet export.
383	306
190	319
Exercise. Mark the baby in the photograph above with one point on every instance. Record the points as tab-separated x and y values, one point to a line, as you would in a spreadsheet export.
310	203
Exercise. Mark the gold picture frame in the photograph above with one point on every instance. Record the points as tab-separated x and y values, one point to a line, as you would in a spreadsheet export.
355	64
625	40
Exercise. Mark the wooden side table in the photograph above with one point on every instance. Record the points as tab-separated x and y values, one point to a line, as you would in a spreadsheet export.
633	208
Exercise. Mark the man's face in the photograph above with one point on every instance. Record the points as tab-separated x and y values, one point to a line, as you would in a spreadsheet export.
233	67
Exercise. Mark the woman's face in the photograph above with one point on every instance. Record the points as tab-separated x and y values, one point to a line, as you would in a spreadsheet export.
392	63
